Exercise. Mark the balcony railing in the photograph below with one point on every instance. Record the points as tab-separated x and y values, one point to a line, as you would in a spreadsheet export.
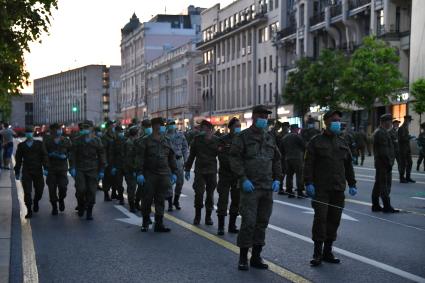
318	18
353	4
391	30
287	31
336	10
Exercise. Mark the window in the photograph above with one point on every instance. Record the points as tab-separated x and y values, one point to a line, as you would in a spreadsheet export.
271	62
259	66
265	92
259	95
271	92
270	5
276	4
265	64
233	48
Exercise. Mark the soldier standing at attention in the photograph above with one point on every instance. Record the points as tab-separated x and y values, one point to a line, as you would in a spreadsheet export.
130	167
405	153
87	163
360	139
328	167
117	158
394	137
421	147
31	156
383	148
156	165
293	148
285	131
205	149
255	160
181	149
107	142
227	181
58	149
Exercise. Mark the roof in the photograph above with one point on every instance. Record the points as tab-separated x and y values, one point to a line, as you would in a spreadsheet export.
133	24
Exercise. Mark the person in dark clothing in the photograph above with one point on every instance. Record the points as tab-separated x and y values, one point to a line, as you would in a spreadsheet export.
360	139
107	143
421	147
31	157
116	159
406	161
394	137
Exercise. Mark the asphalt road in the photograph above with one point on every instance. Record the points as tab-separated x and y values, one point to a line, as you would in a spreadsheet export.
373	247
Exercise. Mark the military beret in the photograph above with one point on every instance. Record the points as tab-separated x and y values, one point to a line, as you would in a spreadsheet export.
207	124
330	113
260	109
157	121
396	121
386	117
146	123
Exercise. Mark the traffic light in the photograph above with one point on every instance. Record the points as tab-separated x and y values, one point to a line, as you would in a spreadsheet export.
103	126
74	108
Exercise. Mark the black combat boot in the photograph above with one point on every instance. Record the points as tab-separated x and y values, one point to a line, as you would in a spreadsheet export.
159	226
243	259
281	192
301	194
317	255
137	204
409	180
170	204
35	206
121	198
132	207
54	208
220	230
232	224
375	205
328	256
388	208
256	260
197	219
81	208
176	202
290	193
89	214
61	205
403	180
208	220
145	224
106	198
114	194
29	212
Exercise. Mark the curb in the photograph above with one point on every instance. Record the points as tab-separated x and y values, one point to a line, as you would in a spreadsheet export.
5	224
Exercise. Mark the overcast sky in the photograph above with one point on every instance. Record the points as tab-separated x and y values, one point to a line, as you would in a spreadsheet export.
86	32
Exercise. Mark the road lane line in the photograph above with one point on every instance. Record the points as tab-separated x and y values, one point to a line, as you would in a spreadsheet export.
369	204
357	257
293	277
418	198
373	169
29	263
372	178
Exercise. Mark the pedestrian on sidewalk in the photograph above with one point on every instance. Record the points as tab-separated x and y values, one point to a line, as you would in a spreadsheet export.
7	135
31	156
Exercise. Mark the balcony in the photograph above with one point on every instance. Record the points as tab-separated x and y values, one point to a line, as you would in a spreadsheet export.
287	31
336	10
353	4
317	18
203	68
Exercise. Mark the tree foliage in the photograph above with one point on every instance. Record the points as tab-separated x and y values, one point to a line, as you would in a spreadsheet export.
21	22
418	91
372	74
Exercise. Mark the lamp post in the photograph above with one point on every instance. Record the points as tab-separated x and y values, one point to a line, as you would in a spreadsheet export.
276	44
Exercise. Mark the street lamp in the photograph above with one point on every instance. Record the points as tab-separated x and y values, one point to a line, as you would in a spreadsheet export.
276	44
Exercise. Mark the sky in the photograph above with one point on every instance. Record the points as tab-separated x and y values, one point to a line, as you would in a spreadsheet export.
84	32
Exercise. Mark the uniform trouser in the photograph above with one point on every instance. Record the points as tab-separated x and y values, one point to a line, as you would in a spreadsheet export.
86	184
57	183
361	150
405	162
227	184
255	209
283	163
202	183
294	166
30	179
397	158
117	183
420	159
154	191
327	217
180	177
107	181
131	181
382	186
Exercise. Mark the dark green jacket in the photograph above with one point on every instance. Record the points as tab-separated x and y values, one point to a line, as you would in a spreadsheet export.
205	151
254	156
117	154
55	148
383	146
107	142
87	156
225	143
31	159
130	155
292	147
328	163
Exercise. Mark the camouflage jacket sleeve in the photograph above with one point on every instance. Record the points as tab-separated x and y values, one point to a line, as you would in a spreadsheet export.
236	157
72	154
309	161
277	164
349	170
140	156
192	155
185	148
172	161
18	158
101	156
44	156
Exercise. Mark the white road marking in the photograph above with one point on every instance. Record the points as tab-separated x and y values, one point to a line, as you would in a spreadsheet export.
372	178
394	171
354	256
418	198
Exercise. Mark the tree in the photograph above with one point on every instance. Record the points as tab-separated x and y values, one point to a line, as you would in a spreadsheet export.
297	91
372	74
324	76
418	91
21	22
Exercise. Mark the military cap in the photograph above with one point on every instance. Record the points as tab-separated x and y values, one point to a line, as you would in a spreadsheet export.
118	128
207	124
232	122
386	117
294	126
133	130
260	109
171	122
285	124
87	123
408	117
146	123
29	129
157	121
54	126
330	113
396	121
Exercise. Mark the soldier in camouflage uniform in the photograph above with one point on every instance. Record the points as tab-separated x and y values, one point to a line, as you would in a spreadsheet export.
130	166
117	156
180	148
156	163
406	161
394	137
58	149
87	163
227	181
205	149
107	142
256	161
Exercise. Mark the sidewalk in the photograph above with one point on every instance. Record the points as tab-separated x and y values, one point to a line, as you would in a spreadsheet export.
5	224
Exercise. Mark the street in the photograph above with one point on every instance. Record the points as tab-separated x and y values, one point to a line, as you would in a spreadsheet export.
373	247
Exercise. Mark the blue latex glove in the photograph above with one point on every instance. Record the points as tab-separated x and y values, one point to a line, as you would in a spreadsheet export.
141	179
352	191
101	175
311	190
173	179
17	176
187	175
114	171
275	186
247	186
62	156
45	172
73	172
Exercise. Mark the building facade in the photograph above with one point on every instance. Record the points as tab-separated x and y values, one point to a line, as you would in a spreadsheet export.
143	42
91	92
22	110
173	86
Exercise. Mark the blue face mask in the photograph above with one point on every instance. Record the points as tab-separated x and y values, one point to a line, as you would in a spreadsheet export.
237	130
59	132
85	132
171	127
87	139
148	131
162	129
121	135
335	127
99	134
310	126
28	135
113	130
261	123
